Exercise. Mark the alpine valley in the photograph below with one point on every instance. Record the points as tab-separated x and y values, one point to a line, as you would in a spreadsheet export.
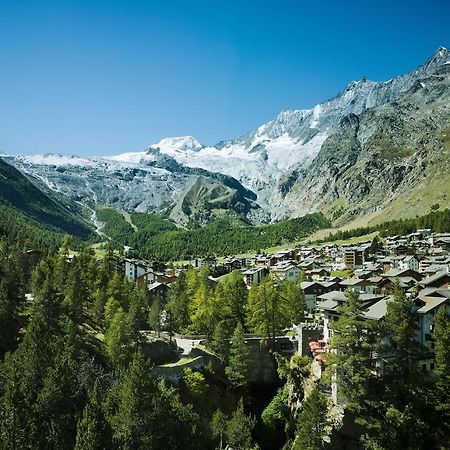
376	151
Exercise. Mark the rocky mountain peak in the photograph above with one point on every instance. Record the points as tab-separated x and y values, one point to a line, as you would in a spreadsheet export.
180	144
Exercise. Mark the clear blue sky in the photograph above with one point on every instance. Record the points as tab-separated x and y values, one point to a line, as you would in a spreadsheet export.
103	77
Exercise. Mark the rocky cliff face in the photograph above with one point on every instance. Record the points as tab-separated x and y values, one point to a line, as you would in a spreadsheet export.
376	146
396	154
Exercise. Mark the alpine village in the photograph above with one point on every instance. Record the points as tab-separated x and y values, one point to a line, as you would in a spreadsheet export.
287	289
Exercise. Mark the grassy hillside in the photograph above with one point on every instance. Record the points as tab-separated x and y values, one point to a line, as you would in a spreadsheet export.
438	221
28	213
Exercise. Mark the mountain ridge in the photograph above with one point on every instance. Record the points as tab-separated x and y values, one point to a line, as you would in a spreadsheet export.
264	167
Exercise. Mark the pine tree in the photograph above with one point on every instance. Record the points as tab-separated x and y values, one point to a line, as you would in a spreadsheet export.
220	341
219	426
93	432
202	310
232	300
178	304
268	311
312	422
148	413
239	429
237	370
400	335
441	337
295	300
155	314
119	340
353	341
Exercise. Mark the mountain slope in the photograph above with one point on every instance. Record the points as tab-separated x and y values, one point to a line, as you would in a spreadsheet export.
268	157
350	155
388	159
25	207
155	184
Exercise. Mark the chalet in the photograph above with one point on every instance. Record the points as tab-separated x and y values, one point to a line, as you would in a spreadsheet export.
256	275
329	303
199	262
313	289
234	264
265	261
286	271
426	312
360	285
399	248
387	264
286	255
316	274
146	280
438	280
135	269
409	262
308	264
442	242
160	289
399	273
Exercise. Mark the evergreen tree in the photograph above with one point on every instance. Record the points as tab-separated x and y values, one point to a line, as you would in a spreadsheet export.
219	426
268	312
399	330
232	300
220	341
119	340
441	337
312	422
354	340
178	304
202	310
93	432
12	298
148	413
59	399
239	429
155	314
295	301
237	370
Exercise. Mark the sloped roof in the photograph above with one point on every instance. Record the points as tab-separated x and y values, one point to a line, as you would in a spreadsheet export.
327	305
433	278
377	310
334	295
431	303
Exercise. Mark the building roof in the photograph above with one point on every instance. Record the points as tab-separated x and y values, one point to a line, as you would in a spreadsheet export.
283	267
431	303
334	295
156	285
327	305
435	277
352	281
377	310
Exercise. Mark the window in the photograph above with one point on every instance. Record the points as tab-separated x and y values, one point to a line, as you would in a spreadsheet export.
432	366
424	367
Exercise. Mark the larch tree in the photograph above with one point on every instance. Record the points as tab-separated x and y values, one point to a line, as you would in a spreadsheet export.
268	310
311	422
237	369
353	343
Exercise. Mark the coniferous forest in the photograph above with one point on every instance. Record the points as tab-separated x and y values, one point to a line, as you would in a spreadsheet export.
75	370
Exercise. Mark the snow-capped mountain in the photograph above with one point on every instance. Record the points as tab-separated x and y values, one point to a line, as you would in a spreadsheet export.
268	157
261	167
